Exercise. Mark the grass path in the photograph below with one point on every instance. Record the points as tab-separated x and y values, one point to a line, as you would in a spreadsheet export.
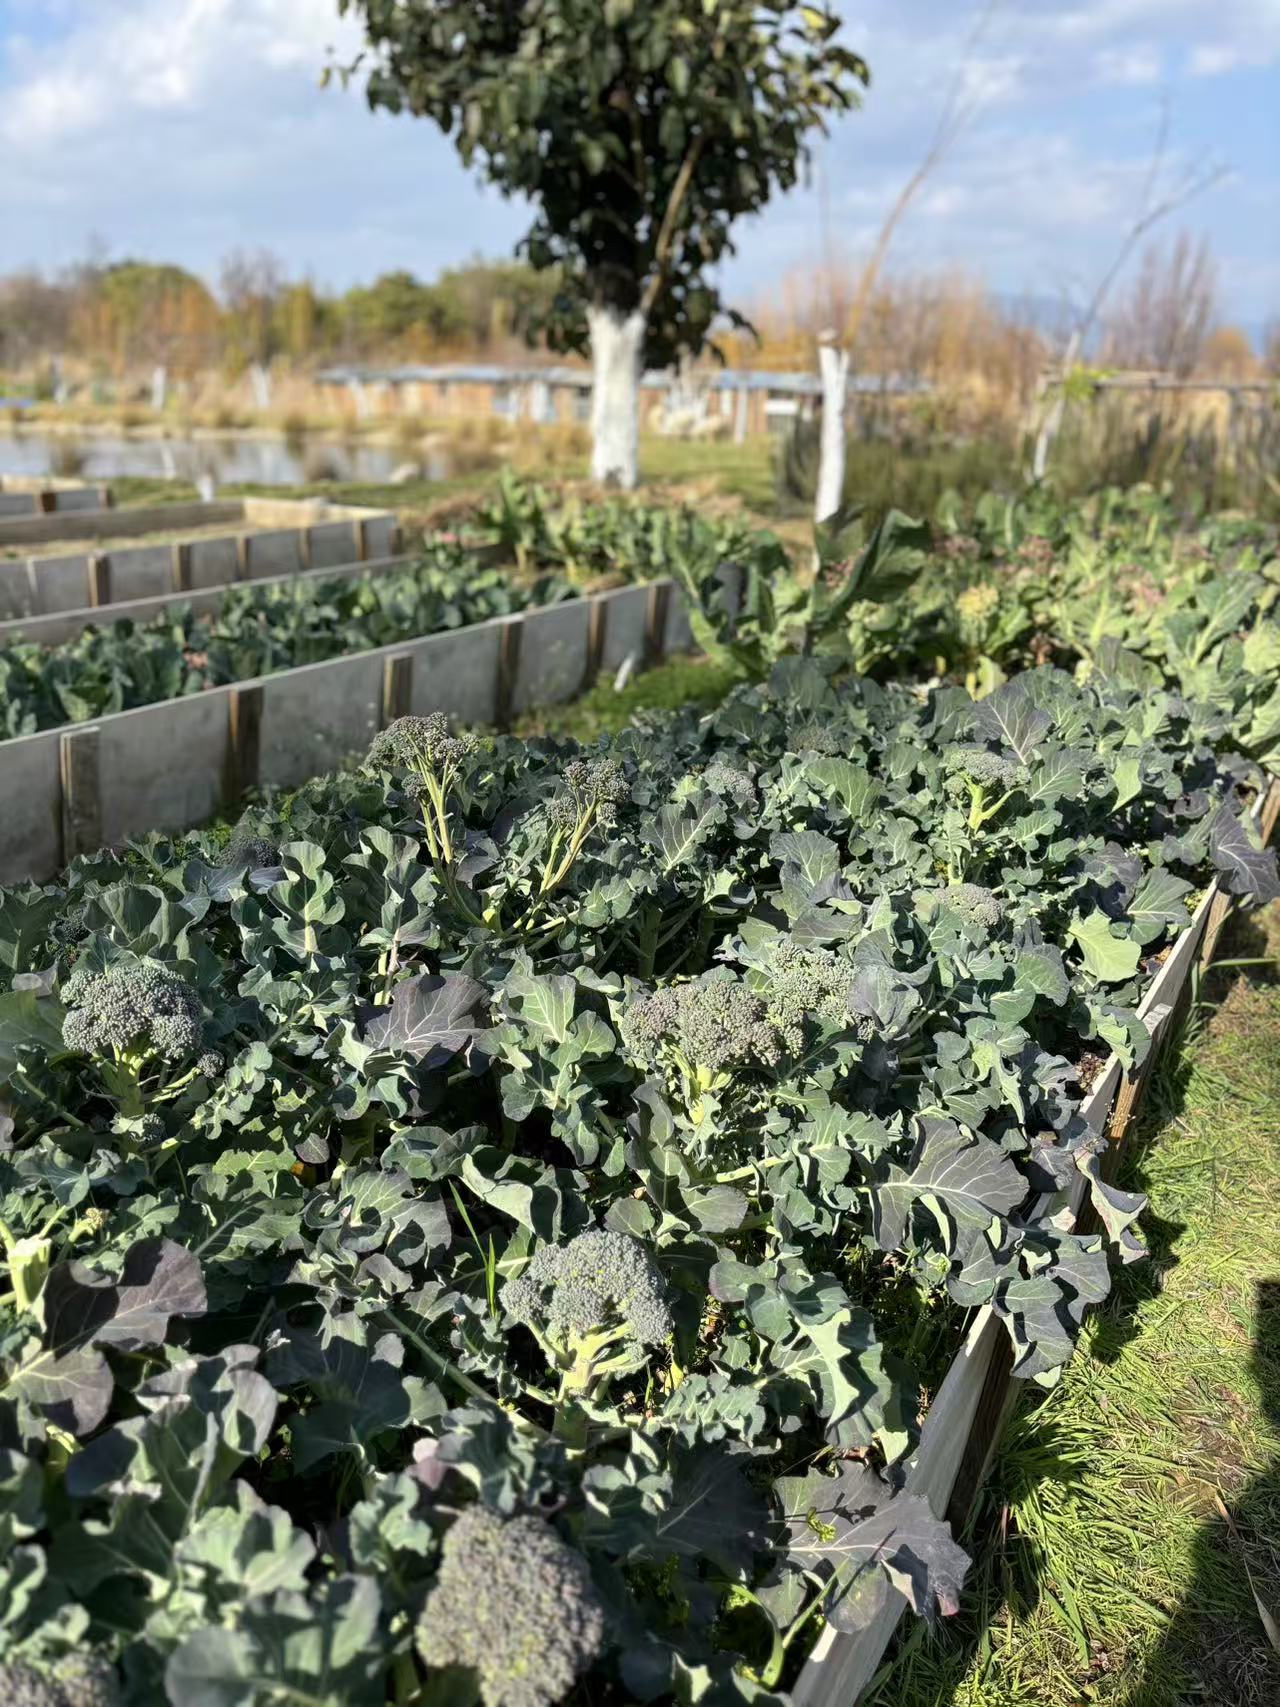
1134	1512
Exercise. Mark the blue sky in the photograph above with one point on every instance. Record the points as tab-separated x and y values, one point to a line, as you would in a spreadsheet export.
182	129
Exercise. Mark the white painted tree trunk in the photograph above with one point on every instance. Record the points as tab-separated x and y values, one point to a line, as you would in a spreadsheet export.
1051	423
260	379
159	387
617	342
833	368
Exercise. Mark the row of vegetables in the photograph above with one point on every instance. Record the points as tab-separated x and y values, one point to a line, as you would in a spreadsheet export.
486	1227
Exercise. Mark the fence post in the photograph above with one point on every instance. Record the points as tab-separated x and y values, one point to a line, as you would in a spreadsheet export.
99	578
508	669
180	566
81	792
597	632
244	742
655	623
397	687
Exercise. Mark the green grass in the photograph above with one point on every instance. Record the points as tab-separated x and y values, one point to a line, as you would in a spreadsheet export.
603	710
1105	1572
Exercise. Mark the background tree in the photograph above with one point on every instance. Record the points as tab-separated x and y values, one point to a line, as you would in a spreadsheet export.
640	130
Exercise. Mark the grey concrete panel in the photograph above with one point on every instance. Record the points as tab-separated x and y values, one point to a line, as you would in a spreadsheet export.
626	616
16	590
213	561
19	504
61	583
380	533
314	717
457	673
553	655
161	767
141	572
274	553
80	498
30	808
332	544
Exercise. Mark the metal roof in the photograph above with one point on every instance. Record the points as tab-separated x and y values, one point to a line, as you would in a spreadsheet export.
714	379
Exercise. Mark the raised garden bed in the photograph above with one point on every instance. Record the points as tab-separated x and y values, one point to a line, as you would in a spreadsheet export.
24	495
962	1428
175	548
172	765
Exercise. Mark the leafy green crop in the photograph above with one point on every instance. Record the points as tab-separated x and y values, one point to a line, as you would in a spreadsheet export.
512	1156
258	630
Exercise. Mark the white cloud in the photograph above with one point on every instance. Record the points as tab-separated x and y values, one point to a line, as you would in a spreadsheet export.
1129	67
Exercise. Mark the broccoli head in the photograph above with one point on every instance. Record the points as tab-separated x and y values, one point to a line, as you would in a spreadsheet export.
589	788
974	903
514	1604
980	765
597	1280
983	773
82	1680
709	1026
732	785
810	983
251	849
132	1012
592	1303
421	744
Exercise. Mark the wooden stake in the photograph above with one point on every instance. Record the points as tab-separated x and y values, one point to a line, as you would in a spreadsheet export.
397	687
244	742
655	623
508	669
81	792
99	578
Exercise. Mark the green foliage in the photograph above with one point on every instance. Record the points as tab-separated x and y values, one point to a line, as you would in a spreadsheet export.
551	1192
640	133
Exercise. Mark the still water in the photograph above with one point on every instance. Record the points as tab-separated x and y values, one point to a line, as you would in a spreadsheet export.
230	458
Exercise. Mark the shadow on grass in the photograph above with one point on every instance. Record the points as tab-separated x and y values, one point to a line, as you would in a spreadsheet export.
1218	1643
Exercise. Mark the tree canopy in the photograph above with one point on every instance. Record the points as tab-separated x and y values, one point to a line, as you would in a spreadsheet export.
640	131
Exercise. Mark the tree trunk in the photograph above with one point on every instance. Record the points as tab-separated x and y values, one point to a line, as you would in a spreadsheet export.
617	341
1051	423
833	366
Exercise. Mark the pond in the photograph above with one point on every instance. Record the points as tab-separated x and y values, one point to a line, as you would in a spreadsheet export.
230	458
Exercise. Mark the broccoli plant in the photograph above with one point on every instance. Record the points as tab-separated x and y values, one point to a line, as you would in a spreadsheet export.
81	1680
975	904
515	1605
590	793
594	1304
143	1029
702	1034
989	779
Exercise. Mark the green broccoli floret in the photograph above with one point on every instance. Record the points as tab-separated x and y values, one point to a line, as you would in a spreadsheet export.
136	1021
734	785
80	1681
249	848
983	773
809	983
590	792
132	1012
69	927
974	903
598	1277
514	1604
702	1033
716	1024
423	749
421	744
